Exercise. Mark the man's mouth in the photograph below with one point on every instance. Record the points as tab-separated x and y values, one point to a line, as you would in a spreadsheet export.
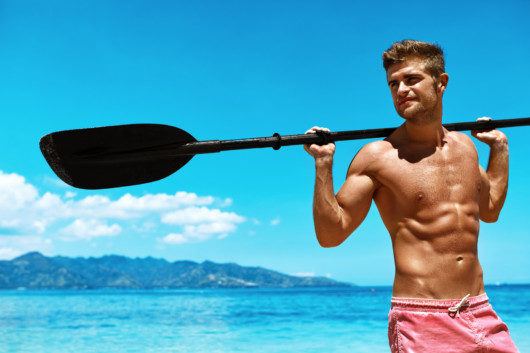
405	100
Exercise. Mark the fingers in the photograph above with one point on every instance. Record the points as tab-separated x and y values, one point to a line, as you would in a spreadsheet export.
315	128
315	149
475	132
489	136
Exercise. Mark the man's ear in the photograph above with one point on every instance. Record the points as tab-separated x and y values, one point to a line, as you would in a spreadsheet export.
443	79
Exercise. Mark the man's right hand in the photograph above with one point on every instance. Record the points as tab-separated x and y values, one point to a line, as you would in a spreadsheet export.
322	153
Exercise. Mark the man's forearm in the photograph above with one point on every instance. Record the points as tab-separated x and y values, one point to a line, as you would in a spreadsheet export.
326	210
498	175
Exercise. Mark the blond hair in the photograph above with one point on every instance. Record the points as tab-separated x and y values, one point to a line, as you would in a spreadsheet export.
429	53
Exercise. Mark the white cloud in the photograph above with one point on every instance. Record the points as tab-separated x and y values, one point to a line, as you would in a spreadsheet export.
20	201
87	229
10	223
275	222
160	202
129	206
56	182
183	216
145	227
303	274
8	253
197	233
39	226
15	193
50	201
12	246
200	224
200	215
173	238
227	202
70	194
210	228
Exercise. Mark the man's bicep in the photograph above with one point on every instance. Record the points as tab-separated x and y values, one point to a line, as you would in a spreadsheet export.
355	199
355	196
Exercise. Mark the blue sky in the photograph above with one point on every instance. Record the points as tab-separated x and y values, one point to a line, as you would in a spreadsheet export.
237	69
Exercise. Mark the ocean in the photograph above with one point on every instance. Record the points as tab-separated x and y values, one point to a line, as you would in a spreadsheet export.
218	320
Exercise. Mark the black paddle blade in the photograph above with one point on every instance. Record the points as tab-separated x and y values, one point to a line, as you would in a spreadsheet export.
114	156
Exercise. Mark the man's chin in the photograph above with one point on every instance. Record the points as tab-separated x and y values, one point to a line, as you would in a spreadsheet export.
412	112
407	114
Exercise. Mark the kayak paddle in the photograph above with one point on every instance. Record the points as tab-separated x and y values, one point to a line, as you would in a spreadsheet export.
123	155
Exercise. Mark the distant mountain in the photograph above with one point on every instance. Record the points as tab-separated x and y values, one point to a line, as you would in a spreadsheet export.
36	271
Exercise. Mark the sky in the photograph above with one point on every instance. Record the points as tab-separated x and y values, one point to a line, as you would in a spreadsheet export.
239	69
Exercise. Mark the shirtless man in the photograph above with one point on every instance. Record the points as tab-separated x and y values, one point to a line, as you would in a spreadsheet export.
431	193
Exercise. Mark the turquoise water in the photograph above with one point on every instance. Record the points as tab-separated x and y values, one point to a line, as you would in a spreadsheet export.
218	320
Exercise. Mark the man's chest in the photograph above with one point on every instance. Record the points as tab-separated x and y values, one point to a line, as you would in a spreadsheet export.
443	176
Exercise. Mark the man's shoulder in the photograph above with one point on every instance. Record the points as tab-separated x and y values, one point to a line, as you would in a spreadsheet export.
375	149
370	155
462	138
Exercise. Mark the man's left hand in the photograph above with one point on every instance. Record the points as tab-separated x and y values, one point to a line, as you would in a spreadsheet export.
489	137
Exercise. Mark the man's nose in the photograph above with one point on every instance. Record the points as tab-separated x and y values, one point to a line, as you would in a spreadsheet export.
403	89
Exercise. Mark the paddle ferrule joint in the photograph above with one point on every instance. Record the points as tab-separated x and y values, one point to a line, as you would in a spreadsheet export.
324	136
278	142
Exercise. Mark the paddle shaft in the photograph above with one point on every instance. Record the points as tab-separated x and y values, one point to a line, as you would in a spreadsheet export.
276	141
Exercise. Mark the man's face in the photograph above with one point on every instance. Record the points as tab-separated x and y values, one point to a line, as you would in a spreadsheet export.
413	90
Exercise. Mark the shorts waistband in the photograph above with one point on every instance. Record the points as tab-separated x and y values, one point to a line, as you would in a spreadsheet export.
421	304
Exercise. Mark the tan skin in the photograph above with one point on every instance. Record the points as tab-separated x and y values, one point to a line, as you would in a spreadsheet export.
428	187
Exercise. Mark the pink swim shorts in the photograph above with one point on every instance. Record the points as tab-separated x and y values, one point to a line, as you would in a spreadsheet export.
447	326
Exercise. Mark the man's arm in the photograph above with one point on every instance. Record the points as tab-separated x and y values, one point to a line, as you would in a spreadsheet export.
336	217
495	180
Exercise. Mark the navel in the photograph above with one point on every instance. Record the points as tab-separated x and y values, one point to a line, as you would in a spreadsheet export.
460	258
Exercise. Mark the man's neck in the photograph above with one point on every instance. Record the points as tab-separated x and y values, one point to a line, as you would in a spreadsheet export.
431	133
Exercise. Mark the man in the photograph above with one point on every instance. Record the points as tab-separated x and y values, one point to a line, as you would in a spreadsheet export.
431	193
